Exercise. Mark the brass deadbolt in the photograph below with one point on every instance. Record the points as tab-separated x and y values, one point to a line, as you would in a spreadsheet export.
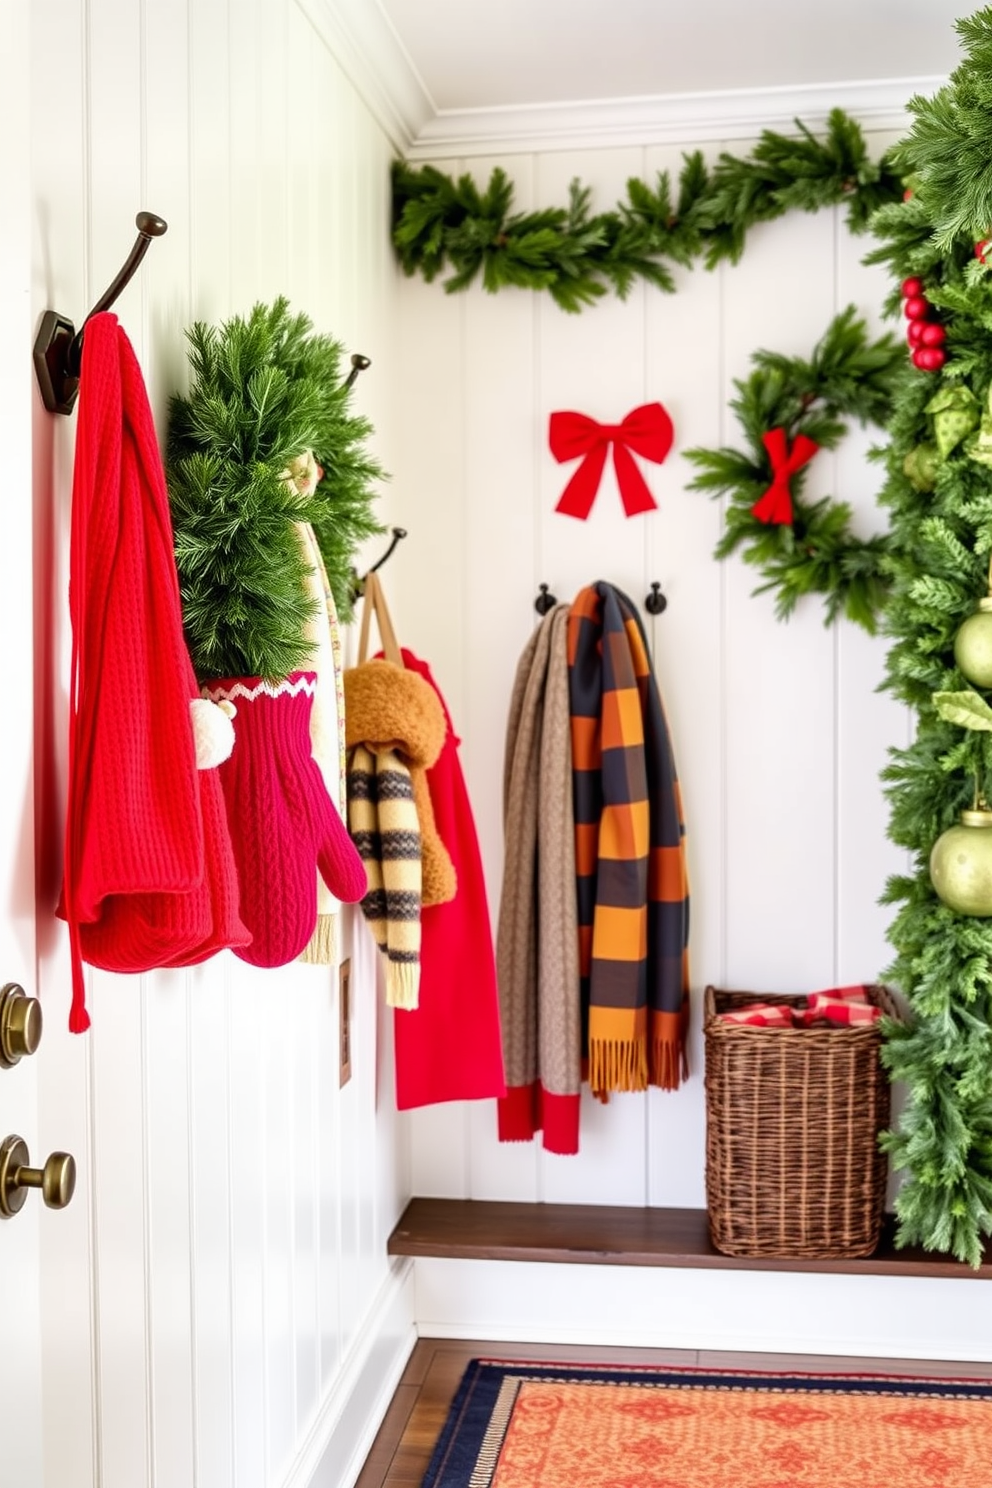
20	1024
57	1179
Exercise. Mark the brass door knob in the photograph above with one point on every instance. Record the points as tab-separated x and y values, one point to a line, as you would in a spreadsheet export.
57	1179
20	1024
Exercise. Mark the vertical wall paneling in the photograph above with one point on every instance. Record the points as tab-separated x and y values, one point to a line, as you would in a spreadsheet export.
301	1158
426	580
869	723
164	277
249	1259
118	1187
683	357
780	777
60	254
279	1021
165	1066
215	174
504	438
593	362
21	1405
211	1262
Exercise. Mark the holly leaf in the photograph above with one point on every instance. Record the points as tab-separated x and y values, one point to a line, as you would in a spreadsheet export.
964	708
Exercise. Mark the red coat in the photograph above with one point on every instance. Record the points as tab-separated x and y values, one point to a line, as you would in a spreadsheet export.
449	1047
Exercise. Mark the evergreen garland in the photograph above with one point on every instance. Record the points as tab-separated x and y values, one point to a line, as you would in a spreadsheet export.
847	376
947	151
263	391
440	224
940	503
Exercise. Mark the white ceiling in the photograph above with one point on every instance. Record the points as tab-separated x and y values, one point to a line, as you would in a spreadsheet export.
484	54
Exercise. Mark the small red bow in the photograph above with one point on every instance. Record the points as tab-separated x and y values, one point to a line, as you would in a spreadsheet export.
646	430
776	504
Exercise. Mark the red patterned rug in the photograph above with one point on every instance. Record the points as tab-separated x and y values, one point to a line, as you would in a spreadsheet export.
574	1426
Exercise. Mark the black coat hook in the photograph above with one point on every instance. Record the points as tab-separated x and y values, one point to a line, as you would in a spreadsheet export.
656	601
58	348
359	363
398	533
544	601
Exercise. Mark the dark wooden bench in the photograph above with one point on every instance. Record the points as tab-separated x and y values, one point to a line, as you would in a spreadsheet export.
607	1235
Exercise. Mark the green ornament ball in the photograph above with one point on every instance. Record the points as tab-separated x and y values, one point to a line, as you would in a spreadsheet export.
973	646
961	865
920	467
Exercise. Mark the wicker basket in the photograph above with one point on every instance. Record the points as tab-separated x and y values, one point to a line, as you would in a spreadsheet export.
793	1166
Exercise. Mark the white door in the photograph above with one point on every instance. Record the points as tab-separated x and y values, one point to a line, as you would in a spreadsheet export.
20	1331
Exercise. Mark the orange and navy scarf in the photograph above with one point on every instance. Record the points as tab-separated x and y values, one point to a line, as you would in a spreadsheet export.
633	893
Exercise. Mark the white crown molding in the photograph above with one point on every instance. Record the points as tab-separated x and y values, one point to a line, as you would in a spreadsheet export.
672	119
361	39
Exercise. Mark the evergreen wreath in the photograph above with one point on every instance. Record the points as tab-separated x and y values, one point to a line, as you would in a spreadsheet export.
940	503
441	224
847	376
264	390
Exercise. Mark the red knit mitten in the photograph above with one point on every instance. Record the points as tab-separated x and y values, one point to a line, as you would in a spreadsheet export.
281	818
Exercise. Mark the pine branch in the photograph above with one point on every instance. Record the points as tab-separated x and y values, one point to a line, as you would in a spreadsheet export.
441	225
263	391
938	557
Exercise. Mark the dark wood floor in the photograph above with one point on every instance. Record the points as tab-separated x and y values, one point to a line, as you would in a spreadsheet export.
403	1447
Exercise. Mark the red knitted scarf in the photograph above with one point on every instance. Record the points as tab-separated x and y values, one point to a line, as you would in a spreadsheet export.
149	878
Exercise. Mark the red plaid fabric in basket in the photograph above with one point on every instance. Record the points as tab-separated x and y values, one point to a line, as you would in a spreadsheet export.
845	1005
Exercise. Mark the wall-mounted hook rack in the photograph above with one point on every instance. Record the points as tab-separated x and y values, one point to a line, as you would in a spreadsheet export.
398	534
58	349
359	363
545	601
656	601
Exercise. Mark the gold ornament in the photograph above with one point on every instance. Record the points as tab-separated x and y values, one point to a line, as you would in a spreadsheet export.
973	645
961	864
973	642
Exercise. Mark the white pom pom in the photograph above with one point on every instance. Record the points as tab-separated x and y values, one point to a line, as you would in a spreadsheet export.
213	731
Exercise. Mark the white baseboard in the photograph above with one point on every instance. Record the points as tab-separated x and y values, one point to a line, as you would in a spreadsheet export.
335	1449
880	1317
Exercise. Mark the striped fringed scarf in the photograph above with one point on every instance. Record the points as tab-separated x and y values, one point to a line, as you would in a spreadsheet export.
633	894
382	820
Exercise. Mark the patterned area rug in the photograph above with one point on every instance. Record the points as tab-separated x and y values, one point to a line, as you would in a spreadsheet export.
553	1426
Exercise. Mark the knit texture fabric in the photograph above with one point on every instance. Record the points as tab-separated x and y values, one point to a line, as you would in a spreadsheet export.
326	729
387	707
537	943
382	818
633	894
149	875
281	821
449	1049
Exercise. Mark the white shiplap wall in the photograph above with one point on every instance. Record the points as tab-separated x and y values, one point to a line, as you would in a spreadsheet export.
219	1309
778	729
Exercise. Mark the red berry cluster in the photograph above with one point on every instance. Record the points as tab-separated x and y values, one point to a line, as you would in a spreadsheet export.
926	337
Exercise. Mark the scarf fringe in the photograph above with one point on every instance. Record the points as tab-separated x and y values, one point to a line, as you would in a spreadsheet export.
322	948
617	1064
668	1063
402	985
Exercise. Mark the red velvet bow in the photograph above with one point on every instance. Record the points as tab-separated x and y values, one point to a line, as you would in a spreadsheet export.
776	504
646	430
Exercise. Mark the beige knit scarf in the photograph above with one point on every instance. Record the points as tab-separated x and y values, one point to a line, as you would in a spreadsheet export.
537	942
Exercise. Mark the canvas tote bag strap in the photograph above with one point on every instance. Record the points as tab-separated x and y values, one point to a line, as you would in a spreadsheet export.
375	600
